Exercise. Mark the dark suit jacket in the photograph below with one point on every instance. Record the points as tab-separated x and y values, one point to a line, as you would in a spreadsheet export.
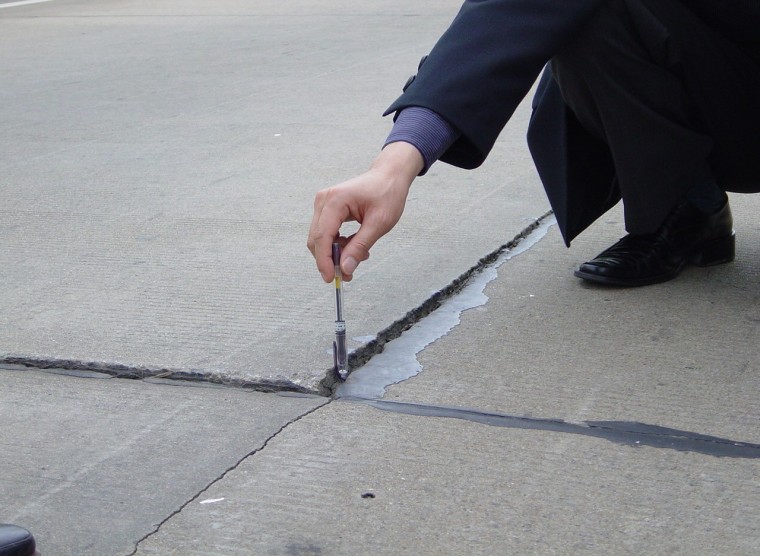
486	63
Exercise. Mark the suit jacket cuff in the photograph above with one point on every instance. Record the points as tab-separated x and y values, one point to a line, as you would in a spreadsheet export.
431	134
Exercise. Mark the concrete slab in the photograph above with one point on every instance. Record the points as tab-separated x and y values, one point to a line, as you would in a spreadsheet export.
93	465
156	195
161	161
383	483
604	421
681	354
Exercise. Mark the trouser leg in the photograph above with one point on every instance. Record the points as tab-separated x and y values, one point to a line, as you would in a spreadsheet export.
677	103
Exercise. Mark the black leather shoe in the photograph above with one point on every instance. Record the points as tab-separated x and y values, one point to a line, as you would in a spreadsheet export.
16	541
688	236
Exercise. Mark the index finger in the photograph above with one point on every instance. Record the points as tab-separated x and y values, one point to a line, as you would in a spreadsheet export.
325	227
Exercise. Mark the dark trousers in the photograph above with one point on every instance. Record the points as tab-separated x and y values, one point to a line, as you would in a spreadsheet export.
675	99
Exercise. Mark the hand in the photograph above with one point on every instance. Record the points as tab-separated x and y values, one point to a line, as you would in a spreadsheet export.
375	199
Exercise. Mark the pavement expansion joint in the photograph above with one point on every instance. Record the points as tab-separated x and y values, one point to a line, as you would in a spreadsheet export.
360	356
630	434
395	358
327	387
221	476
87	369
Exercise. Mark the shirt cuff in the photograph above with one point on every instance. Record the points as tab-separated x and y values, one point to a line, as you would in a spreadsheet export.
426	130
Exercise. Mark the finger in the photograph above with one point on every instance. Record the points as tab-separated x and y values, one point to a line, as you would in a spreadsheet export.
314	242
319	204
325	229
357	248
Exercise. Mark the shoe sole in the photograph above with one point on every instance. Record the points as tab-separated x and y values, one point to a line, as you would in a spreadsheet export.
718	251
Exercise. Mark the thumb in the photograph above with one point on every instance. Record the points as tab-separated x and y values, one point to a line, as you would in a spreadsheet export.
357	249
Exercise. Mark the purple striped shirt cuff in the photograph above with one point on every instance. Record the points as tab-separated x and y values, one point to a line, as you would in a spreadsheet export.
426	130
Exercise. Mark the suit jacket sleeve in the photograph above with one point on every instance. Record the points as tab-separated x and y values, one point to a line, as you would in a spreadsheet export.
485	64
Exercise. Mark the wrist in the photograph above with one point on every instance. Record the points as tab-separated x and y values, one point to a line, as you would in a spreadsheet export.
399	160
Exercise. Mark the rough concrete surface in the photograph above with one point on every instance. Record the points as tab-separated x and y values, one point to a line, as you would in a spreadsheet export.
672	364
160	162
682	353
444	486
92	465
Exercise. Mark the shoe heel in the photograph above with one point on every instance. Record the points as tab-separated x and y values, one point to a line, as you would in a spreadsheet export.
717	251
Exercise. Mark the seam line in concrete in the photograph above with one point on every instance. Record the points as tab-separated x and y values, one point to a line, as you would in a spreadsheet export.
23	3
626	433
140	373
362	355
225	473
327	385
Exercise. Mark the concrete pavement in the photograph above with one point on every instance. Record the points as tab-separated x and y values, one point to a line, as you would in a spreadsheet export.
155	198
557	418
92	464
159	167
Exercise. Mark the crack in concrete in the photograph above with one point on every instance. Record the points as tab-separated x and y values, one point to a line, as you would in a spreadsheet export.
398	361
225	473
327	385
626	433
115	370
362	355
